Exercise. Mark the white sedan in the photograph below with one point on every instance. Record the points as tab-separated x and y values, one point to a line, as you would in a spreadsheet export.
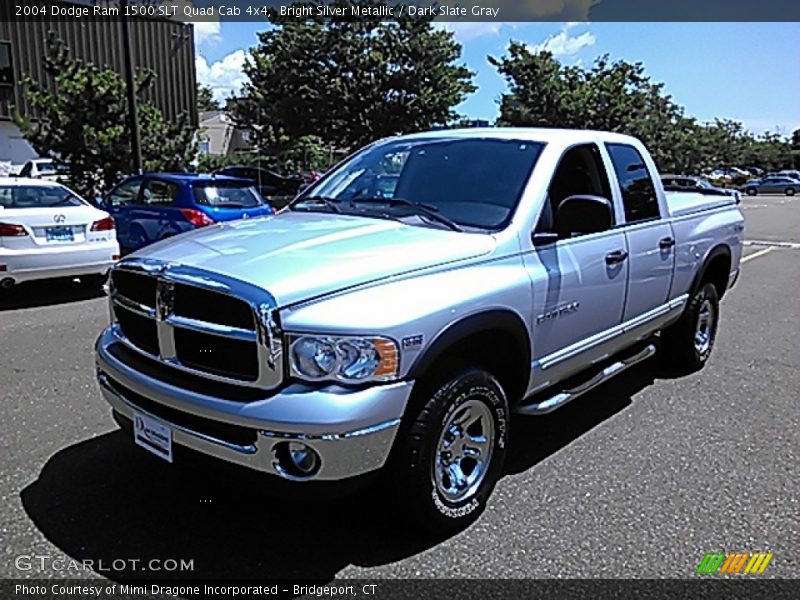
46	230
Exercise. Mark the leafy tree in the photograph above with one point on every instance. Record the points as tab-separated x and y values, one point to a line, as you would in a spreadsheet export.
205	99
349	82
619	96
82	120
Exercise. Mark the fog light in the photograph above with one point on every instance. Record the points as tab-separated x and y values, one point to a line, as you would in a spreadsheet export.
296	460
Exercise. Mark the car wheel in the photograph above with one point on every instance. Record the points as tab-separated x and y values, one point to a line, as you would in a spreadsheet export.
751	191
789	191
453	452
687	344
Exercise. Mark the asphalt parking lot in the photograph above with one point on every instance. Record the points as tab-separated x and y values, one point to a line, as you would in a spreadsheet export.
638	479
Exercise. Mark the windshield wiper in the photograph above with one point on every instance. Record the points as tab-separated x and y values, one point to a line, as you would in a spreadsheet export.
327	202
430	211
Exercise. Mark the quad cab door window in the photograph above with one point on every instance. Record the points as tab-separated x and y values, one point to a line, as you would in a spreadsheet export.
583	255
649	238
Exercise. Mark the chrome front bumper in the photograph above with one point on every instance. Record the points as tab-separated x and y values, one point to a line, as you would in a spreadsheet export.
352	430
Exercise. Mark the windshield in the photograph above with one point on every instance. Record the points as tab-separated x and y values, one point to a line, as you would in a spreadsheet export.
227	195
37	196
473	182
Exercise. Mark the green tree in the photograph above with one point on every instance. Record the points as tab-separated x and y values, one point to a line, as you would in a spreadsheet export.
205	99
82	120
620	96
349	82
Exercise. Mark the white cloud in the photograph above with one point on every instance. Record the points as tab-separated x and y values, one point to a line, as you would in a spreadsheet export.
225	76
206	32
469	30
564	43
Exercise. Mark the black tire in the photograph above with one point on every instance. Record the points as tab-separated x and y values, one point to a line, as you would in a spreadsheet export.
789	191
682	344
751	191
419	457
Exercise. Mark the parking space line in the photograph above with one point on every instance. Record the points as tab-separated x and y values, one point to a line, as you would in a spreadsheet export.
790	245
756	254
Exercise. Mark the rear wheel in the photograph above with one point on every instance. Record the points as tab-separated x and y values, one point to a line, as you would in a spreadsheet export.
790	191
453	453
688	343
751	191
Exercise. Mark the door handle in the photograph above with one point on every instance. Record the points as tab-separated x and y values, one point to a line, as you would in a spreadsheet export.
666	243
616	257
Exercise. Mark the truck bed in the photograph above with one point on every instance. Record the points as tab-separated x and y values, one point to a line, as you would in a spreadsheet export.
684	203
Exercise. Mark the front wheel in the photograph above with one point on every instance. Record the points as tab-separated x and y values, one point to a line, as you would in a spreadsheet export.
751	191
790	191
453	453
688	343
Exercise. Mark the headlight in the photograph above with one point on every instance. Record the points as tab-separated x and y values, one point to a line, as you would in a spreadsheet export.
348	359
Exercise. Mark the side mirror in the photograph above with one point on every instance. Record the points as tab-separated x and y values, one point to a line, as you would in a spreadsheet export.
583	214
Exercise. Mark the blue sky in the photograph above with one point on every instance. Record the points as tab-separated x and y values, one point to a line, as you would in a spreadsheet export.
743	71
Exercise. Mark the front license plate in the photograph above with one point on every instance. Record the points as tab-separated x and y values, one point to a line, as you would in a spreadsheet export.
59	234
152	435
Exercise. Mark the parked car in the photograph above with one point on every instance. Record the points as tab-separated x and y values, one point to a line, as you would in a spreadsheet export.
755	171
267	182
47	230
509	272
792	174
689	182
156	206
44	168
774	184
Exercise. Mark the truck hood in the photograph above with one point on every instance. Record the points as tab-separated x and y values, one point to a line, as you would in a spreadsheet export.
296	256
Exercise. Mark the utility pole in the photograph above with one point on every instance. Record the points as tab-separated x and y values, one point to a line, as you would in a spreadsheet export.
130	84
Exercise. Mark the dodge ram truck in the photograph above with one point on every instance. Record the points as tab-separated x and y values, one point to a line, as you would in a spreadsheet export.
398	315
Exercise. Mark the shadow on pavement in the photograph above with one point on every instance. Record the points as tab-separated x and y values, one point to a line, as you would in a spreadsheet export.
50	292
105	499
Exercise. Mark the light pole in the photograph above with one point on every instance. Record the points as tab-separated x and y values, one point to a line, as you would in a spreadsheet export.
130	84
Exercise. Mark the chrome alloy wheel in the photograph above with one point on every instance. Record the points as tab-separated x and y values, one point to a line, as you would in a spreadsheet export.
464	451
704	330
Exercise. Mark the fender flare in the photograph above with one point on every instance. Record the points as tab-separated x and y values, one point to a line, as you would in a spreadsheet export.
506	321
717	251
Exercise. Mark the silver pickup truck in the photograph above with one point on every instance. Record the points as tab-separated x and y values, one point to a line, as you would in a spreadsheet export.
397	314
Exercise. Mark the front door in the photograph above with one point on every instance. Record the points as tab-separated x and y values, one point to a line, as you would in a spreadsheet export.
578	282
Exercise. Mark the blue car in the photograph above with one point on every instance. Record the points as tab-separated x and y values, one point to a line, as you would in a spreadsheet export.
150	207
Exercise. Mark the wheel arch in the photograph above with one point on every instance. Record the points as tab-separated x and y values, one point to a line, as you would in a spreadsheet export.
715	270
496	339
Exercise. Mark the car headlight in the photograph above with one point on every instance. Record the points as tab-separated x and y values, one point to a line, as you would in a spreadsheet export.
343	358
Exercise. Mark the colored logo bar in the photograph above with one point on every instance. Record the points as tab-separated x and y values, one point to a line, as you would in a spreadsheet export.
745	563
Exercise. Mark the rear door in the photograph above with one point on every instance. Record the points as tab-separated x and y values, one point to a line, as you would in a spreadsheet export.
650	241
118	202
156	215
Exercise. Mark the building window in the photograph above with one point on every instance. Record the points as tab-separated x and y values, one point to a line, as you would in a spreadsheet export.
204	146
246	136
6	66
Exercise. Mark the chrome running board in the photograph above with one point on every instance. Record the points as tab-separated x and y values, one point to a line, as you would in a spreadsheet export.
558	400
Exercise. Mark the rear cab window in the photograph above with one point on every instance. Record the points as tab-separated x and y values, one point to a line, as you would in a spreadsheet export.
636	185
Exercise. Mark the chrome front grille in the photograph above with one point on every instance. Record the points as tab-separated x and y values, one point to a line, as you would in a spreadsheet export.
197	322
